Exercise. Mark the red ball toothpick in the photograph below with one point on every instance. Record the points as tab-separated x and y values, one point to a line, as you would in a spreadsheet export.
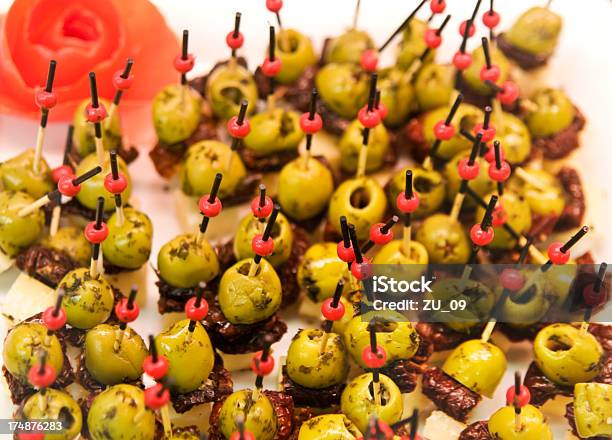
234	39
45	99
155	365
184	61
262	205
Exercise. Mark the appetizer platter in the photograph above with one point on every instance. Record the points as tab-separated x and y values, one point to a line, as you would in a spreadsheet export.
212	284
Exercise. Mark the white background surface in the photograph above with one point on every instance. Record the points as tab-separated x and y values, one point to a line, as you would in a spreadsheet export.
582	66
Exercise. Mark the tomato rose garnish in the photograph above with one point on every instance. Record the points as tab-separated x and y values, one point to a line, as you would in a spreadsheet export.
83	36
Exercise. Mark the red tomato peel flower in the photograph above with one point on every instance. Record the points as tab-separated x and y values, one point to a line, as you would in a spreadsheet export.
82	36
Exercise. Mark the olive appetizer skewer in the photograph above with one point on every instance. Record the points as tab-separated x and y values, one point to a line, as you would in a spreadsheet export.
183	344
28	172
317	361
49	404
189	259
308	178
26	340
372	393
275	134
528	423
265	414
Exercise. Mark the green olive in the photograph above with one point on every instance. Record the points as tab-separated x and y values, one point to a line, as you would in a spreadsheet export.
592	409
362	201
343	88
110	362
18	175
359	405
295	58
566	355
176	113
128	245
413	44
514	136
536	31
313	367
250	226
339	326
466	118
429	185
397	94
184	350
203	161
226	88
434	86
527	306
445	240
83	136
348	47
554	112
71	241
23	346
481	185
184	263
477	365
502	424
479	298
336	426
17	233
88	301
351	144
273	132
546	197
518	217
259	416
320	270
55	406
248	299
472	74
304	188
94	187
119	412
393	332
413	263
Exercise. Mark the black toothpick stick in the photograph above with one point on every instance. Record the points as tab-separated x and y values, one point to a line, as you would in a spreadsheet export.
184	53
236	30
211	198
125	74
402	26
